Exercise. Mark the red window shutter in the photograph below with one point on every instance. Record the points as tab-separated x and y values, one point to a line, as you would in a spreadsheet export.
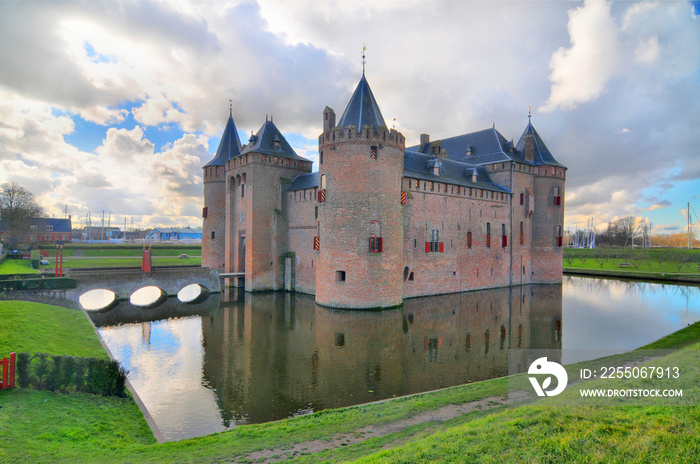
442	247
317	243
522	198
427	247
204	212
322	196
559	241
403	197
504	241
380	244
522	238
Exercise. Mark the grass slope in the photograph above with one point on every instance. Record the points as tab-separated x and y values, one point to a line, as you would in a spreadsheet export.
39	328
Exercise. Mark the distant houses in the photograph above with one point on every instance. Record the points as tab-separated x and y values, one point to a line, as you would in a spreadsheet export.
175	233
37	231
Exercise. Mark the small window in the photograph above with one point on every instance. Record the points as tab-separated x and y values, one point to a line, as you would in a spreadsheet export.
49	228
242	190
375	237
320	157
316	212
340	276
213	235
34	227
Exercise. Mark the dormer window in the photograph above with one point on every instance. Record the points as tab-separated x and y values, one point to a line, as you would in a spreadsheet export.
49	228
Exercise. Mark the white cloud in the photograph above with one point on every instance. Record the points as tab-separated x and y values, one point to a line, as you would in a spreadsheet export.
580	72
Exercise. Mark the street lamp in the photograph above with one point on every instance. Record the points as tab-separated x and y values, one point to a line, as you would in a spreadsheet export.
59	247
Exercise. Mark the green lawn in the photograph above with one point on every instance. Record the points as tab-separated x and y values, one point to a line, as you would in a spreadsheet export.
39	328
81	263
637	260
54	427
17	266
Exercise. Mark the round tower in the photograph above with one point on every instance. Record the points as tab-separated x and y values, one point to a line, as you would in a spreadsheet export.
214	210
360	213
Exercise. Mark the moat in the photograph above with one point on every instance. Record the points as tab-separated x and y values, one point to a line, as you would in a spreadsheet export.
241	358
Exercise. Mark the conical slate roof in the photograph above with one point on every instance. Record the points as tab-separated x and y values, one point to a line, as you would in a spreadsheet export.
362	108
542	153
230	145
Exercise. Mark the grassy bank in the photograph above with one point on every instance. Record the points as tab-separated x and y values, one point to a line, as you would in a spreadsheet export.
39	328
46	427
17	266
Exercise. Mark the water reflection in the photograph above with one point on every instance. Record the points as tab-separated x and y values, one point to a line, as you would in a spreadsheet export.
276	355
262	357
193	293
205	367
620	316
99	299
148	297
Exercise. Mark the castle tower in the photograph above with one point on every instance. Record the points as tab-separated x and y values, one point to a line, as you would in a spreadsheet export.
213	213
256	207
546	210
360	218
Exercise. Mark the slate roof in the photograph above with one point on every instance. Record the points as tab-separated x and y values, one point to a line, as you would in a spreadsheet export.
542	154
229	146
420	166
264	142
304	181
487	146
362	108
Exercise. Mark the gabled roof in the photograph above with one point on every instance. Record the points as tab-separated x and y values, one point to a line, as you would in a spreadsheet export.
270	141
230	145
542	154
362	108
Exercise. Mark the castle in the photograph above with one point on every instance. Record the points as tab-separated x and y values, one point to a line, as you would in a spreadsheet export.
380	222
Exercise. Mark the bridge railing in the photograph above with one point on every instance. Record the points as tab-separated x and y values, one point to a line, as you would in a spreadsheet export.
8	371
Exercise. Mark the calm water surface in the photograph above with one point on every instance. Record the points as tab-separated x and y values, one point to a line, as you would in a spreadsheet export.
244	358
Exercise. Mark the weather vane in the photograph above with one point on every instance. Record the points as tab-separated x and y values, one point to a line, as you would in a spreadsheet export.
529	114
364	47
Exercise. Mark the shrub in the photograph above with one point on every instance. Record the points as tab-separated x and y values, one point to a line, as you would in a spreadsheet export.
71	374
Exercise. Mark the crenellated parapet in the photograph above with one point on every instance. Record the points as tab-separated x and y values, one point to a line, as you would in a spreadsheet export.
367	135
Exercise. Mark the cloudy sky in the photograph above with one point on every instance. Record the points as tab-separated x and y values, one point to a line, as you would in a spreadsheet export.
115	106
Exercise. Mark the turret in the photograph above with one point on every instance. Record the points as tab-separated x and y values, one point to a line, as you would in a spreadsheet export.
360	249
214	210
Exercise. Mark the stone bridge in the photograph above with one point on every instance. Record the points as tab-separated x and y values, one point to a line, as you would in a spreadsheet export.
125	282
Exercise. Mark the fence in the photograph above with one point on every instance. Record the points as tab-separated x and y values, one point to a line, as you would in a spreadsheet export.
8	371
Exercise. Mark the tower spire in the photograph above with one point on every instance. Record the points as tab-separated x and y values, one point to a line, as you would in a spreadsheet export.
230	107
529	115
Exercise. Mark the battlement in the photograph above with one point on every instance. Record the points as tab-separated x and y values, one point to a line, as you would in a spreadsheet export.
366	136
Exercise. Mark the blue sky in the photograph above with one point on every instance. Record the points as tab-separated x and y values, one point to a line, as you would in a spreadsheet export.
116	106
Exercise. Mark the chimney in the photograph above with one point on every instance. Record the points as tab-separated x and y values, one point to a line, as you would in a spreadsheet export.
424	138
328	118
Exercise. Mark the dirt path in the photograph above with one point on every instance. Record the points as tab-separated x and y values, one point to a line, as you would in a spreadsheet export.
439	415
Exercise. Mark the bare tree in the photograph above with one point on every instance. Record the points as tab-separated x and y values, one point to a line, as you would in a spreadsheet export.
17	206
626	229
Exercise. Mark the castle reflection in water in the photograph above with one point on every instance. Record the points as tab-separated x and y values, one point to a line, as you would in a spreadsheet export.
269	356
